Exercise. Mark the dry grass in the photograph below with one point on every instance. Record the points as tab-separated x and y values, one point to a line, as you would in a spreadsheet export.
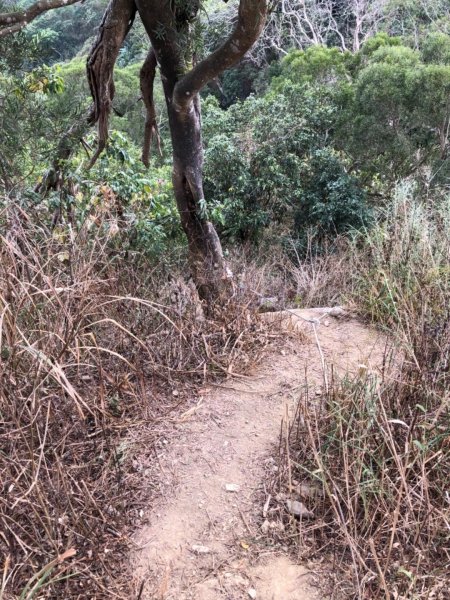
320	278
92	345
371	458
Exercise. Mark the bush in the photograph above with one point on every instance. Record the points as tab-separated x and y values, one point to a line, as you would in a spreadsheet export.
267	162
332	201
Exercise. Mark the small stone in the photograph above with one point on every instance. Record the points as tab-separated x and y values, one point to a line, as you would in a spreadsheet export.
306	490
175	393
252	593
199	549
232	487
298	509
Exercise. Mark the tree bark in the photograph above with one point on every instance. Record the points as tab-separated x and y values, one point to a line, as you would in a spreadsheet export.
116	23
209	270
147	79
167	26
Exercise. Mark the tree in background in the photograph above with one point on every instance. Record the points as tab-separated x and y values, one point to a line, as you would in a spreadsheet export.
170	26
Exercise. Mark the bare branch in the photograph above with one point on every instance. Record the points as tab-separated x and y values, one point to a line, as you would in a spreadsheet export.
15	21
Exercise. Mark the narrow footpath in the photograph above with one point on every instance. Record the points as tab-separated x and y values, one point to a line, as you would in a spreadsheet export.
204	539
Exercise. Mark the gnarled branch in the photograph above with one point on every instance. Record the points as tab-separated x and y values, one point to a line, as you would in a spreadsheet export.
251	18
116	23
147	79
15	21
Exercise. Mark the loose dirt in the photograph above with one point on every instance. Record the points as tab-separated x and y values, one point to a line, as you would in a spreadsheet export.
204	542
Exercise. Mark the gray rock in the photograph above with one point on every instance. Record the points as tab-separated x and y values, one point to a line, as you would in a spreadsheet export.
298	509
232	487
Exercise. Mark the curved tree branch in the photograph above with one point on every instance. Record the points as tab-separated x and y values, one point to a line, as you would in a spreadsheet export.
163	28
251	19
15	21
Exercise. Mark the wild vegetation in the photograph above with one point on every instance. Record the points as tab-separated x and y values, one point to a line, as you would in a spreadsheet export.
374	449
326	147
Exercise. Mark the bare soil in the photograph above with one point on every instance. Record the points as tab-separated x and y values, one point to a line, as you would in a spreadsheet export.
204	541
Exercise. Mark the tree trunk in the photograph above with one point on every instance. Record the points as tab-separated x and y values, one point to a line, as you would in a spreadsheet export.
168	24
211	275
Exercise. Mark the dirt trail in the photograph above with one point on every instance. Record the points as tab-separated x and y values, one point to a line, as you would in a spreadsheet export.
204	542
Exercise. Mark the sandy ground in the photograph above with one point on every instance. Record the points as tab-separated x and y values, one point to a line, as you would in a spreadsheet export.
203	540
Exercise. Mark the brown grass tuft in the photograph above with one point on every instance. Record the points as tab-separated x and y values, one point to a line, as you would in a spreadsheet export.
371	458
91	346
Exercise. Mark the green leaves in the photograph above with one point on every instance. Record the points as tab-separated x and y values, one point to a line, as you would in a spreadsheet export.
269	161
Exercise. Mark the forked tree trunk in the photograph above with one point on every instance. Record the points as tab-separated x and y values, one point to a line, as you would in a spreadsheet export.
168	26
167	23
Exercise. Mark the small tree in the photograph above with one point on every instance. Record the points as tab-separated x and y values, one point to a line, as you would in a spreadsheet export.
170	27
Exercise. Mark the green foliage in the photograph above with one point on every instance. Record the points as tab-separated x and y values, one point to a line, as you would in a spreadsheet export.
400	113
332	201
64	40
272	166
332	130
136	206
435	48
128	115
317	64
25	121
44	80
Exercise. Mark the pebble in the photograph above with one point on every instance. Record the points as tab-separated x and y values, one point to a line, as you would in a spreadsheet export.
298	509
199	549
232	487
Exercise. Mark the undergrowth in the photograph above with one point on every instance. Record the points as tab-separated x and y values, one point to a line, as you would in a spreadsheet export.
371	456
92	343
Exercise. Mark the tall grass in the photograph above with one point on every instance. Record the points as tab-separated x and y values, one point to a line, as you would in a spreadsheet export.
92	343
376	449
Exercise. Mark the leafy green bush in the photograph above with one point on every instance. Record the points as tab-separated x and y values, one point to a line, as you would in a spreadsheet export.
137	205
268	162
332	201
